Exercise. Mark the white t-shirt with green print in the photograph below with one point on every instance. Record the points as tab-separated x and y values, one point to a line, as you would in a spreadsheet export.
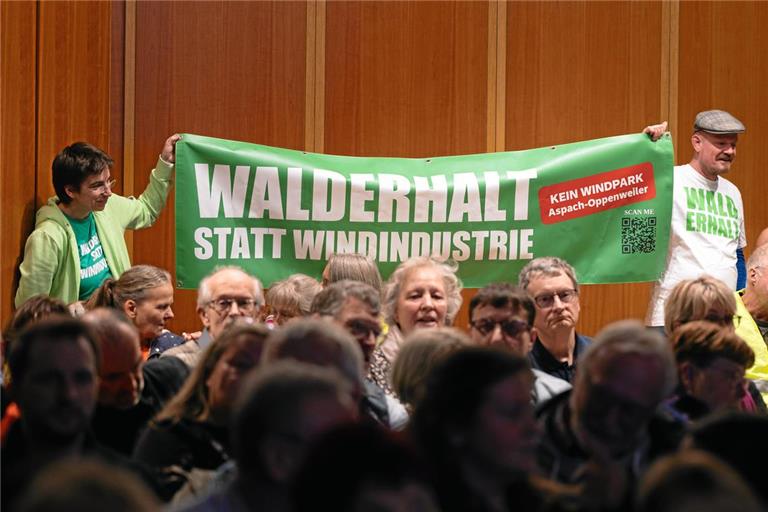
707	228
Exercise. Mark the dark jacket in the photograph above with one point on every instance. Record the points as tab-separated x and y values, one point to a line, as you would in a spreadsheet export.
562	458
541	359
120	428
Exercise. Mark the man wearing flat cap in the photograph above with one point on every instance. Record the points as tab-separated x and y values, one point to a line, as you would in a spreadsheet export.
707	235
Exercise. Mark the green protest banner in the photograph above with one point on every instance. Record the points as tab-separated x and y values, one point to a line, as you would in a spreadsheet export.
603	205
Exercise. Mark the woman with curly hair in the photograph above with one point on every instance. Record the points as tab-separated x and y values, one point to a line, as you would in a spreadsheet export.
422	293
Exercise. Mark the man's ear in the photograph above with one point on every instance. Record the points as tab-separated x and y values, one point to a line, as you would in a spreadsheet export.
534	335
686	373
129	307
752	276
203	314
697	141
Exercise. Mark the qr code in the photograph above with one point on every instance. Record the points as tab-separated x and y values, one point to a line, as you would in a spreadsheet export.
638	234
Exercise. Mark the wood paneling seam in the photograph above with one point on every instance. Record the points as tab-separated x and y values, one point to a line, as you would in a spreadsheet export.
320	77
501	75
129	108
669	62
309	103
490	134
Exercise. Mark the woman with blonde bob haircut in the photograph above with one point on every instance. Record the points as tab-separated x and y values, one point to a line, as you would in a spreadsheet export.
292	297
421	352
704	298
422	293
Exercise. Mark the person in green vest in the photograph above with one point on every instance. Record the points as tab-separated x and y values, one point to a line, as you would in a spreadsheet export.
78	239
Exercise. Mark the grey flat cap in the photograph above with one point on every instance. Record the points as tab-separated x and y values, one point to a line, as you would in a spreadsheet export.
717	121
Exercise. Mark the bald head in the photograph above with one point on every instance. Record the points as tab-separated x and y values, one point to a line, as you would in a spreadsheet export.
121	379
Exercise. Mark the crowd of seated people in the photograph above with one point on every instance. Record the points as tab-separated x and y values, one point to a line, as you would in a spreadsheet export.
351	394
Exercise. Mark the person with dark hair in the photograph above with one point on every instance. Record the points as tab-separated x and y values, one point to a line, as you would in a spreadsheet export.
355	307
362	467
740	440
502	315
145	294
189	439
87	486
711	362
693	481
476	429
78	238
32	311
281	410
551	283
55	364
131	391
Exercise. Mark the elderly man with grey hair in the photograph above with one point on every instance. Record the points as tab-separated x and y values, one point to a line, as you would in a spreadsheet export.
356	307
551	284
226	295
752	316
605	431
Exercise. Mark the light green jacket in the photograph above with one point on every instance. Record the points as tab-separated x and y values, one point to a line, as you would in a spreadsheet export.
51	260
750	333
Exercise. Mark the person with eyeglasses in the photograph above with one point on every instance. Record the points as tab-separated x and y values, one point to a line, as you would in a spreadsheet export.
707	298
502	316
226	295
355	306
551	284
711	362
78	239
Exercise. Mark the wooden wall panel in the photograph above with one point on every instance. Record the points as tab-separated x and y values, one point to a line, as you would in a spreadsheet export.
406	78
399	79
578	71
234	70
18	36
724	65
79	85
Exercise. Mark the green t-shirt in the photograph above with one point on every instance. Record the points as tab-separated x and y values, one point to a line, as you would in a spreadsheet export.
93	265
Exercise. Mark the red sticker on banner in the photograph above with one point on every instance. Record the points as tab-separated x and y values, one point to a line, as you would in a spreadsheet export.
597	193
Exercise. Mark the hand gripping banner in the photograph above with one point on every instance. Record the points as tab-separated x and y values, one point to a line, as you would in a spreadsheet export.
603	205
